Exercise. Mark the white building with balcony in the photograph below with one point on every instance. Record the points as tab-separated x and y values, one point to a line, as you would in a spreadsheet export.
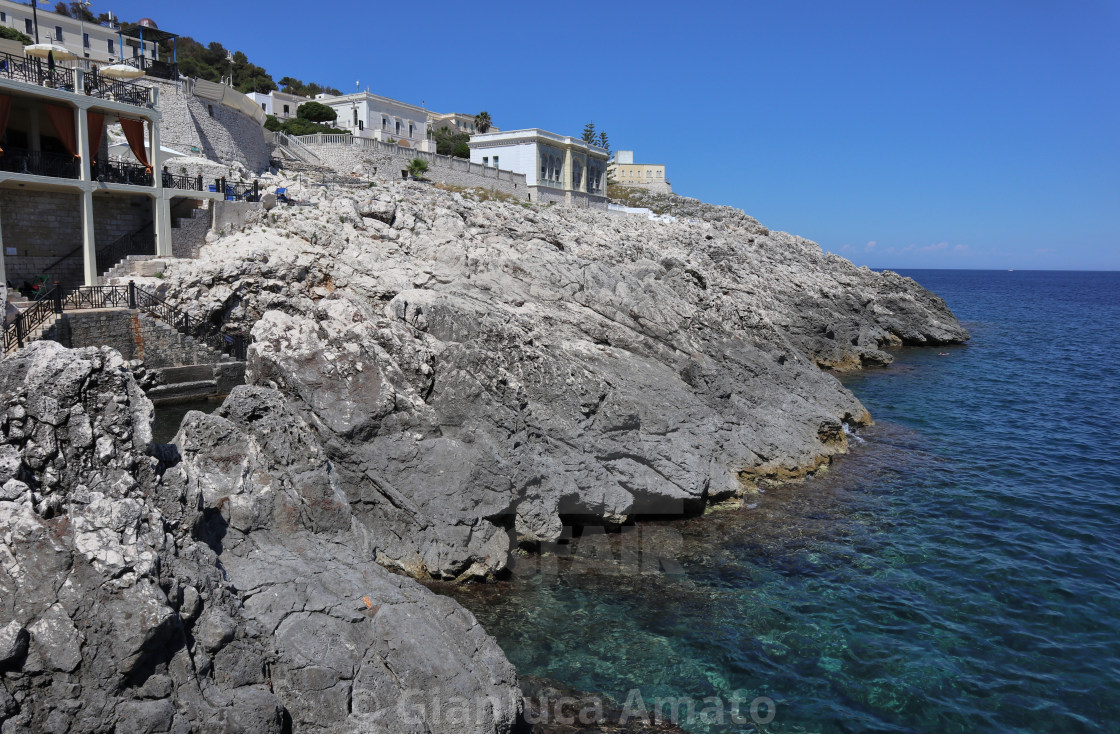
373	117
558	169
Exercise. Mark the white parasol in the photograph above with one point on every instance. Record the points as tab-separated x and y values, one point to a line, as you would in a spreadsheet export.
122	71
43	50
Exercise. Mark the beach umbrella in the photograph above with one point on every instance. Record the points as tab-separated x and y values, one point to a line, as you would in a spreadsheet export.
122	71
46	50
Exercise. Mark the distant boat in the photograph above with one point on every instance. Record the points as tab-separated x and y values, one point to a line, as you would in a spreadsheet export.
1011	271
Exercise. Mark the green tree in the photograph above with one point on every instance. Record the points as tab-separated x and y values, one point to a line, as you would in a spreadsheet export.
602	141
589	133
272	122
14	35
291	85
449	142
482	121
417	167
316	112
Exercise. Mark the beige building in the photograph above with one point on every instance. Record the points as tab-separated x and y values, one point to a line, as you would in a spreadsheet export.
650	176
457	122
558	168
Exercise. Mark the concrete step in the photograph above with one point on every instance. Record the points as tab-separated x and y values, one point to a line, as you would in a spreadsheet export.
190	373
182	391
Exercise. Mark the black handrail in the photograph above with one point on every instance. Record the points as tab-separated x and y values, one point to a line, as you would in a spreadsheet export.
38	71
136	243
123	173
40	163
44	308
235	344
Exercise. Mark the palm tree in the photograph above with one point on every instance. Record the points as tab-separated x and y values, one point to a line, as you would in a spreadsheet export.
482	121
417	167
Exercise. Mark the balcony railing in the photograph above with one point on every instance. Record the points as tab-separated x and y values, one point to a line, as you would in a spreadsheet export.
155	67
38	72
183	183
38	163
122	173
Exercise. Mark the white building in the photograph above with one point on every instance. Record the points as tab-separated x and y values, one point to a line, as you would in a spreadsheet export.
101	44
374	117
557	168
648	176
457	122
281	104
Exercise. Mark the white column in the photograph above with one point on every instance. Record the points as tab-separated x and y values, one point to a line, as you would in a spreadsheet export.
3	275
89	240
83	142
162	204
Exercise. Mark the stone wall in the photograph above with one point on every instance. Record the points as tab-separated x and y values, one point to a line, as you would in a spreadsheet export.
210	128
389	162
44	226
188	234
134	335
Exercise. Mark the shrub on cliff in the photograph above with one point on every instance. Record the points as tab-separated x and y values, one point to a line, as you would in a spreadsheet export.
14	35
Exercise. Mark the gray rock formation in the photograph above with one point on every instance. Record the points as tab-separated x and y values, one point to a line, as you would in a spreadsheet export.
480	372
224	586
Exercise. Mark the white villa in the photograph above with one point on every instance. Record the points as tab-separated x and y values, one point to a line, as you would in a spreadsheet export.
649	176
374	117
557	168
281	104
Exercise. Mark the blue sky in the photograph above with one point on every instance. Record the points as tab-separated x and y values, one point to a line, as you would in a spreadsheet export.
959	134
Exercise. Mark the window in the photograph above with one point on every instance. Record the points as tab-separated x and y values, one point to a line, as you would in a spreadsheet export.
85	40
410	130
3	17
30	28
398	127
58	33
210	109
485	161
384	124
264	107
361	125
355	118
287	110
111	46
495	161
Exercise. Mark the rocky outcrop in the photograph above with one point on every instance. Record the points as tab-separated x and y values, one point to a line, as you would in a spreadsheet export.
223	584
480	373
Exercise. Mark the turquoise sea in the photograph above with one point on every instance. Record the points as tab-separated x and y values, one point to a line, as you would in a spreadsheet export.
958	571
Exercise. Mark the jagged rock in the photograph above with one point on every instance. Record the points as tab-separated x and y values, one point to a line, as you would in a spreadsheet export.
479	373
227	587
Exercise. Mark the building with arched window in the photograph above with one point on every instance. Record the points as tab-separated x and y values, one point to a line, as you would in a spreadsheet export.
557	168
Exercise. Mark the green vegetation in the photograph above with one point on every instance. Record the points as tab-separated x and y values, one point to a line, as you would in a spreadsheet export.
291	85
589	133
307	121
482	121
316	112
417	167
449	142
13	34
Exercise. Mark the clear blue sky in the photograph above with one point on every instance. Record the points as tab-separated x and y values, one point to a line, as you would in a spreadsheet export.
959	133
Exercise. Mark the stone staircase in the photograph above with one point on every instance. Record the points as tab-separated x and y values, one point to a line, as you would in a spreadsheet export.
189	228
125	269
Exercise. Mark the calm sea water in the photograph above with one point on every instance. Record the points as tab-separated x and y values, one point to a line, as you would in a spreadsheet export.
959	571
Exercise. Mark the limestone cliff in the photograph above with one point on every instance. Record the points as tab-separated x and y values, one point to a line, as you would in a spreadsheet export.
480	372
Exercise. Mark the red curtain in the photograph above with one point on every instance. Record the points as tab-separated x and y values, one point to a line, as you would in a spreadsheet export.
5	108
96	122
134	132
63	120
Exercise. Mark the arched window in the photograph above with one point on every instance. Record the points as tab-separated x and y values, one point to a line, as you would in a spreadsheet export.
544	167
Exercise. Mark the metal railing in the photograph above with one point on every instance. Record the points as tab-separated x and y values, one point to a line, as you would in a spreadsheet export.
91	83
184	183
137	243
55	301
39	163
122	172
35	71
45	308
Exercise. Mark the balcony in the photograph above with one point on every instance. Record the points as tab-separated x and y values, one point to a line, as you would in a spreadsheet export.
120	172
38	163
38	72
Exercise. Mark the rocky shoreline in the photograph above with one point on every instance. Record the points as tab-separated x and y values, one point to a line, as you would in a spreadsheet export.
437	379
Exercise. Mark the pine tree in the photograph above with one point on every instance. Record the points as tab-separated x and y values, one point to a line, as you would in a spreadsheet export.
602	142
589	133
